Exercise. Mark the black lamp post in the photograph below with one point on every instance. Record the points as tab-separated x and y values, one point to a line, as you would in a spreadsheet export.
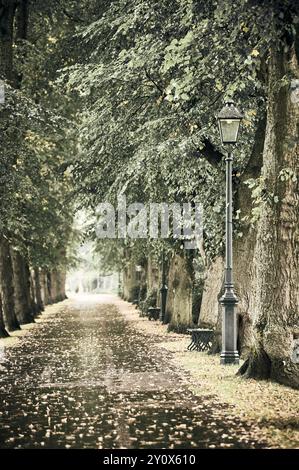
138	269
163	291
229	120
119	289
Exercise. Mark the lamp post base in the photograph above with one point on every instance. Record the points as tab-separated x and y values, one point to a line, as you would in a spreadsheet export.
229	357
163	291
229	354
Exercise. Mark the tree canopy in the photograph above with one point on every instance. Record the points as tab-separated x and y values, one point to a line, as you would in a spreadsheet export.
152	77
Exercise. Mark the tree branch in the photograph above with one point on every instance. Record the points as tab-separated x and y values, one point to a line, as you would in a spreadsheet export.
148	76
212	155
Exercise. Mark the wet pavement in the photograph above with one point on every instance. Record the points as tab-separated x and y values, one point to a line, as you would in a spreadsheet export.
85	378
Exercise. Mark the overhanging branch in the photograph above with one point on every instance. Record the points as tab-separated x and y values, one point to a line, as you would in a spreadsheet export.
210	153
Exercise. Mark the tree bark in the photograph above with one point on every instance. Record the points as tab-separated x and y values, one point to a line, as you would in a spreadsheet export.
34	308
49	286
58	297
22	297
7	14
28	288
210	308
3	332
38	290
179	295
44	287
276	270
244	246
22	14
130	283
54	293
7	287
62	278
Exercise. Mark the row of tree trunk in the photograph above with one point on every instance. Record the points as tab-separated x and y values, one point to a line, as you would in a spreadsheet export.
149	280
266	257
24	290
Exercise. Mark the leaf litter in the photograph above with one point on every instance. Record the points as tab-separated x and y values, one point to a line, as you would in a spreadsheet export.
88	378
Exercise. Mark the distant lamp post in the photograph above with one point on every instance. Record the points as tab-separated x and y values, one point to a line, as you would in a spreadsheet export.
163	291
119	288
138	270
229	119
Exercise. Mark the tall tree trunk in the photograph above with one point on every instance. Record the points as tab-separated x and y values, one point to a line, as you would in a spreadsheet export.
44	287
131	285
276	269
210	308
38	290
31	289
22	19
49	287
7	287
7	13
62	278
210	315
179	295
28	288
57	285
22	13
22	298
244	247
3	332
53	277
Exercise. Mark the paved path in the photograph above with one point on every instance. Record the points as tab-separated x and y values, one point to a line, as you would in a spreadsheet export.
85	378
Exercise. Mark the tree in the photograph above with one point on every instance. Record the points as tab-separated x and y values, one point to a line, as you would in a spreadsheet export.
36	208
3	332
276	290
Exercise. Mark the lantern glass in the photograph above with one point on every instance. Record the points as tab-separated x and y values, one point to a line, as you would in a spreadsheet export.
229	129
